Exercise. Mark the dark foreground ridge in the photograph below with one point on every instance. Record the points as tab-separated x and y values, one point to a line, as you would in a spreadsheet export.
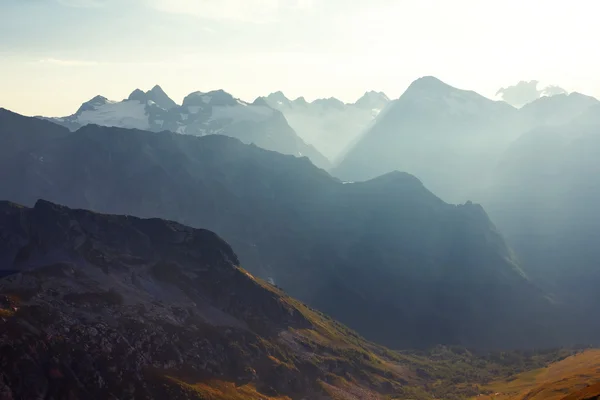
104	307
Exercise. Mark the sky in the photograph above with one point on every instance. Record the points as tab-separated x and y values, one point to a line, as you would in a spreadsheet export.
56	54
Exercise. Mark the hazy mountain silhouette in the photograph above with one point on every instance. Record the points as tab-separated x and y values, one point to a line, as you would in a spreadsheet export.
447	137
386	256
544	196
329	124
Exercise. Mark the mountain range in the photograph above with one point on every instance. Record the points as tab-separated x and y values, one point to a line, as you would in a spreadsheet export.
329	124
215	112
103	306
386	256
451	139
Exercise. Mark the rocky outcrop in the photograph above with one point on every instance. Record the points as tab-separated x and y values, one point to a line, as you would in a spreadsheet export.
104	307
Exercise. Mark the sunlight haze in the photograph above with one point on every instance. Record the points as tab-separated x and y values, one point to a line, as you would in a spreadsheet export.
57	54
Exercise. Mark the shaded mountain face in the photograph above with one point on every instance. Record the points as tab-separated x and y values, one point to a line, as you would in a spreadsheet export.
329	124
451	139
386	256
445	136
544	196
103	306
216	112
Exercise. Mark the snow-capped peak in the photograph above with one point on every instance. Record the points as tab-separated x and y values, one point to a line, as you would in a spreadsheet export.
213	98
93	104
156	95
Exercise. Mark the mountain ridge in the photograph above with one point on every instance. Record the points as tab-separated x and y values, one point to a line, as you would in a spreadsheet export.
381	245
214	112
114	305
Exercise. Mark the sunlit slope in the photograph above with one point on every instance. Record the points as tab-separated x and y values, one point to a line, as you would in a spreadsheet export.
576	377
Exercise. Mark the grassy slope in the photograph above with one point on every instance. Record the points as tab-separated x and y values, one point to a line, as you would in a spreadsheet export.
576	377
359	369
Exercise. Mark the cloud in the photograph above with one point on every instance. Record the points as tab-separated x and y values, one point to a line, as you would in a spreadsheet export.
254	11
67	63
526	92
553	90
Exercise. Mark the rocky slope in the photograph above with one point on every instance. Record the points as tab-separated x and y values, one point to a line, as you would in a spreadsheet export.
105	307
386	257
215	112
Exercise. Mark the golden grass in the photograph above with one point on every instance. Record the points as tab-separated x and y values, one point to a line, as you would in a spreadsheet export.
223	390
558	381
5	313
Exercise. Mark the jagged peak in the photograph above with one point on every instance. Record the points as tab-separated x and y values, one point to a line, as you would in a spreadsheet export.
330	102
372	100
157	89
158	96
98	99
278	95
278	99
301	101
91	104
260	101
139	95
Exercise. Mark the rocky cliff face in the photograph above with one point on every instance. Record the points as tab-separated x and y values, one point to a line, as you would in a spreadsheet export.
105	307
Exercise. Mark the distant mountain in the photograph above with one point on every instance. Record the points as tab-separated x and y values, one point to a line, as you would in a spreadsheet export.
216	112
447	137
374	101
557	110
450	138
329	124
386	256
156	95
102	306
544	195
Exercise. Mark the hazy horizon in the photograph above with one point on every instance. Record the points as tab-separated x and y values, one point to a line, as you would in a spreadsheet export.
57	54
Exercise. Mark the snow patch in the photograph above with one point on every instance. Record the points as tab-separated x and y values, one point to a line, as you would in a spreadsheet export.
159	122
184	117
126	114
242	113
194	109
206	99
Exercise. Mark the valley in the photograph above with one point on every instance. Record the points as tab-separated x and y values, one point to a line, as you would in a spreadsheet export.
299	200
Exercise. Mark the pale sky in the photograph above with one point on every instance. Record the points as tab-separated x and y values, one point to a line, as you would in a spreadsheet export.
56	54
